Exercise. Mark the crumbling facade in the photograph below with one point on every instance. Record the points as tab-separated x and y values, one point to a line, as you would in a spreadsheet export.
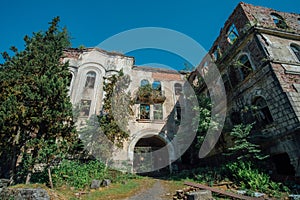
258	56
153	122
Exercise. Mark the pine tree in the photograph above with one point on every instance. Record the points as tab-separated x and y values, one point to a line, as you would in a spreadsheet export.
35	110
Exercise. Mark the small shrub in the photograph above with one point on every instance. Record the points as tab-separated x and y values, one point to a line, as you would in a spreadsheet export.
77	174
252	178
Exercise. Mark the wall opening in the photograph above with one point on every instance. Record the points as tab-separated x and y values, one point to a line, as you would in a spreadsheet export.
283	164
144	157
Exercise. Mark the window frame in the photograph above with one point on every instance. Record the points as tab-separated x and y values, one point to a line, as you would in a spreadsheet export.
244	73
295	47
144	82
177	88
90	79
262	114
85	107
232	31
147	112
279	21
159	111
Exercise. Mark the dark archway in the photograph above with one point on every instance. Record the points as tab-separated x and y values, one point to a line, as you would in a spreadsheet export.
144	157
283	164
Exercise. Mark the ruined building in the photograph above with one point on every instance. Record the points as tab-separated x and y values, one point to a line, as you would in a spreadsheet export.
258	56
150	126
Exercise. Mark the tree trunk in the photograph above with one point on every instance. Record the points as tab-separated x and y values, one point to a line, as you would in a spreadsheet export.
50	177
28	177
14	157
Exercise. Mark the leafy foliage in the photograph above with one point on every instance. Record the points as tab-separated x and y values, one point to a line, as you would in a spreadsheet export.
252	178
243	148
204	110
116	109
147	94
80	174
35	110
76	174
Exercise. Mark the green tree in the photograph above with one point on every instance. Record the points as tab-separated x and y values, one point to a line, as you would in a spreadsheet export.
35	111
243	148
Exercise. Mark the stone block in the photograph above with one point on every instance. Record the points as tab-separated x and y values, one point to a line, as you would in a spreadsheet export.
4	183
24	194
105	183
200	195
95	184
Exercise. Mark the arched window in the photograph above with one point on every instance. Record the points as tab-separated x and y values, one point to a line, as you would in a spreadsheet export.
262	112
178	88
245	66
90	79
232	34
156	85
144	82
278	21
296	50
298	21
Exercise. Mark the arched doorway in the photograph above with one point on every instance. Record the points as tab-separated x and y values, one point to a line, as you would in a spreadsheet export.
150	155
283	164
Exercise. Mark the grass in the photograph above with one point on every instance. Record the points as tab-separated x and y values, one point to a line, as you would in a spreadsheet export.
115	191
120	191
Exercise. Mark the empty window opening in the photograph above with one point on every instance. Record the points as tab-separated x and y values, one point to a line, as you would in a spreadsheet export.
85	106
262	112
245	66
179	111
217	53
144	82
279	21
232	34
235	118
233	76
226	83
144	111
296	49
283	164
158	111
90	80
70	78
178	89
156	85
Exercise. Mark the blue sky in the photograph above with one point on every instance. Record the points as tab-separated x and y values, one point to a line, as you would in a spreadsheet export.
90	22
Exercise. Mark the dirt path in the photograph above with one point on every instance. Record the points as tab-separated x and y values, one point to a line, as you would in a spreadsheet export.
156	192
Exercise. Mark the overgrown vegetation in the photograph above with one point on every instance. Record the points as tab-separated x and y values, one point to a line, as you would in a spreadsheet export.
240	175
148	94
80	174
35	111
116	109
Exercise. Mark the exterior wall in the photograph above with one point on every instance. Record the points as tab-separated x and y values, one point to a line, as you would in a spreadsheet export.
100	62
275	76
105	64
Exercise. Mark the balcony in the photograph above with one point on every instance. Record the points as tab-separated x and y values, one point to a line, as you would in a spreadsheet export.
147	95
